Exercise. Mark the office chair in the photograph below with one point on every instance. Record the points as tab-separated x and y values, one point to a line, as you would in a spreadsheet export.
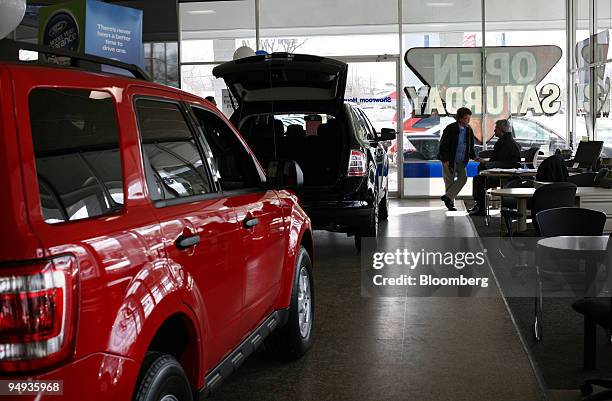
596	313
583	179
571	221
550	196
531	155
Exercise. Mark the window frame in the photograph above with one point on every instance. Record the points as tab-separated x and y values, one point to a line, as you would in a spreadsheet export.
232	192
148	170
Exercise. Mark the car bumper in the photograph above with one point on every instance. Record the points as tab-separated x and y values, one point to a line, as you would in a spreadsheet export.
95	377
344	216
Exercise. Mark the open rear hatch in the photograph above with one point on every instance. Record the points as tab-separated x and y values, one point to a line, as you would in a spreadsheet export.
268	86
284	82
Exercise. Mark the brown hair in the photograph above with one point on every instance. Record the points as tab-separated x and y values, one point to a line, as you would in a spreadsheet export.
462	112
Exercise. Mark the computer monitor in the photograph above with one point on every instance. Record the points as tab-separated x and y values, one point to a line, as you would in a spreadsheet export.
587	153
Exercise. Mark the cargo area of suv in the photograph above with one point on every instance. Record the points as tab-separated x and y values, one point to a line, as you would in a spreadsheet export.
315	141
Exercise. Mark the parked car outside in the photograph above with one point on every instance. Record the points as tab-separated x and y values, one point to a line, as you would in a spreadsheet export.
144	255
344	163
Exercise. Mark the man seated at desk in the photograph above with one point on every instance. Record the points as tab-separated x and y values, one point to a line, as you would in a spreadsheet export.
506	154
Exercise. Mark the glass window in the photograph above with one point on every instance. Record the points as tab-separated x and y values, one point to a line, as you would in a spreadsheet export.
161	62
235	167
213	30
76	146
324	28
359	125
199	80
171	151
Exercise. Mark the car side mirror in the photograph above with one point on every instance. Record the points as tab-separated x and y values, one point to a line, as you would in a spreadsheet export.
284	174
386	134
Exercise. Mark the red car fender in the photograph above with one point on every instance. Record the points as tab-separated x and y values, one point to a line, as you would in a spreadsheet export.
153	296
299	232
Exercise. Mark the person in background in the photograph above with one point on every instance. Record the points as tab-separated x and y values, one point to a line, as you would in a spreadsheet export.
211	99
456	148
506	154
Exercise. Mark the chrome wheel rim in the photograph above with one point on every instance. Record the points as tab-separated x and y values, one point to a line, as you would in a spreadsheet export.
304	303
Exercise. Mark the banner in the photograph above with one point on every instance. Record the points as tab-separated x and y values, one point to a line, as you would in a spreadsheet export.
94	27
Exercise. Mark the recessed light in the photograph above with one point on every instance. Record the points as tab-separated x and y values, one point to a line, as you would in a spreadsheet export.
440	4
201	12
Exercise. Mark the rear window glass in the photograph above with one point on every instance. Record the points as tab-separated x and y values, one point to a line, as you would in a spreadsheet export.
76	146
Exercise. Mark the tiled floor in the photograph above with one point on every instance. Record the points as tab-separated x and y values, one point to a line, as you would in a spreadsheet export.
391	348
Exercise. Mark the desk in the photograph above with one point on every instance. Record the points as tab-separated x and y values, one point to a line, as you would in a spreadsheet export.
504	173
592	249
509	172
586	197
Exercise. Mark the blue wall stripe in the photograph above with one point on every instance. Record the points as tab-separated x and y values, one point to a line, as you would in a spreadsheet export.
433	169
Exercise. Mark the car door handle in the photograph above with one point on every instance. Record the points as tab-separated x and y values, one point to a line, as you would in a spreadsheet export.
184	242
251	222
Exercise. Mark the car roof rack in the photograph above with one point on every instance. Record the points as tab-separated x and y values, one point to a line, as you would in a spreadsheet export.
9	51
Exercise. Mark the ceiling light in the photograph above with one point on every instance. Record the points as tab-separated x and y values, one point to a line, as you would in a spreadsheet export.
201	12
439	4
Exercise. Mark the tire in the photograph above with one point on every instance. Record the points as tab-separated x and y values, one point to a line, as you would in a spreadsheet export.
358	242
383	208
370	231
162	378
295	338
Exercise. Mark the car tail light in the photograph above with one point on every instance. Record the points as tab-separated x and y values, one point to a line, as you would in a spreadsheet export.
358	164
37	314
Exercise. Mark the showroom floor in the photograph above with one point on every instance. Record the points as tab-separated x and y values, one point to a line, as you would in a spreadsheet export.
395	349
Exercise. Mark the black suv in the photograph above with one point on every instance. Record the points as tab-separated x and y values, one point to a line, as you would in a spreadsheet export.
291	107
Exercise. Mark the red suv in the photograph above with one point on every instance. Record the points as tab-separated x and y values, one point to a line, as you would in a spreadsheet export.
143	254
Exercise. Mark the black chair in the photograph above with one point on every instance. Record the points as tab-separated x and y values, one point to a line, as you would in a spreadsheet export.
550	196
530	156
571	221
583	179
509	205
596	313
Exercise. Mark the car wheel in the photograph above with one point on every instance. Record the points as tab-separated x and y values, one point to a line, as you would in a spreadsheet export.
370	231
162	379
383	208
296	337
358	242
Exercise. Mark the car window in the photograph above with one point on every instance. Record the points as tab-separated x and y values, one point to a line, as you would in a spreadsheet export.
368	125
76	147
427	122
359	125
523	130
235	167
541	133
171	152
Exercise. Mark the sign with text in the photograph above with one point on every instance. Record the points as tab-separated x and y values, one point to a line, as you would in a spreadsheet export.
452	78
94	27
